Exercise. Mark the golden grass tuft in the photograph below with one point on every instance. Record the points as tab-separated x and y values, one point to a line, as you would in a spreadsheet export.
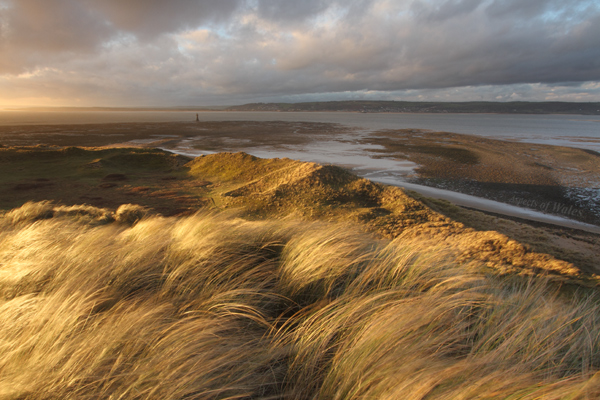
215	306
131	213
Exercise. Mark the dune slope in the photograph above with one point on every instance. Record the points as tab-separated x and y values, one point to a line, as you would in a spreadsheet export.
102	304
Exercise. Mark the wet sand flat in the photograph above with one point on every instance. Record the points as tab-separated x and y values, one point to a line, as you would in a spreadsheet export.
557	180
553	179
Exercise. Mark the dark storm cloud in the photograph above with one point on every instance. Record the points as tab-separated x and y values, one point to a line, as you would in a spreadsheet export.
150	18
466	45
35	30
526	9
53	26
298	11
198	51
442	10
291	11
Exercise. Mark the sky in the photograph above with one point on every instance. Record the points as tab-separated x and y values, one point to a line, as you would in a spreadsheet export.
146	53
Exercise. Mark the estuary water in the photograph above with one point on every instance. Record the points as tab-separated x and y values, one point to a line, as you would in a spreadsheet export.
582	131
563	130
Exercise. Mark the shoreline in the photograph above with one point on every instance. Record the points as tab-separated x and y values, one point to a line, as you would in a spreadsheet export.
496	207
487	168
457	198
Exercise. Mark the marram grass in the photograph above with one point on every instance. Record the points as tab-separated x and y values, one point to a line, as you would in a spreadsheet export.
95	305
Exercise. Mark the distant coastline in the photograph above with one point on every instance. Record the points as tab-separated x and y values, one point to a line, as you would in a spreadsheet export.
471	107
477	107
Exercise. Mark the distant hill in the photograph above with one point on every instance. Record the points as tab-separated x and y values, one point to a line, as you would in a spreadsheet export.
517	107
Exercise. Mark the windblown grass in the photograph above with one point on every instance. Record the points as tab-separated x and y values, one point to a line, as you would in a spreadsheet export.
262	189
96	305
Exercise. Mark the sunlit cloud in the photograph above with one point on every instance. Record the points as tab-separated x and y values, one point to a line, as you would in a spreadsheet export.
109	52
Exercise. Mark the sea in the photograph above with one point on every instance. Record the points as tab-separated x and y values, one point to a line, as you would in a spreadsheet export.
581	131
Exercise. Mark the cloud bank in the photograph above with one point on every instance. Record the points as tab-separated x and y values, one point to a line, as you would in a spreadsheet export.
184	52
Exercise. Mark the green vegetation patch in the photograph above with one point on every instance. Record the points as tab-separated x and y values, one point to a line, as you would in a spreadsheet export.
454	154
100	177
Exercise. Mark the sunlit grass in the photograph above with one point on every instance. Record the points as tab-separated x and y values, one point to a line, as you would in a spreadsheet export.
122	305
